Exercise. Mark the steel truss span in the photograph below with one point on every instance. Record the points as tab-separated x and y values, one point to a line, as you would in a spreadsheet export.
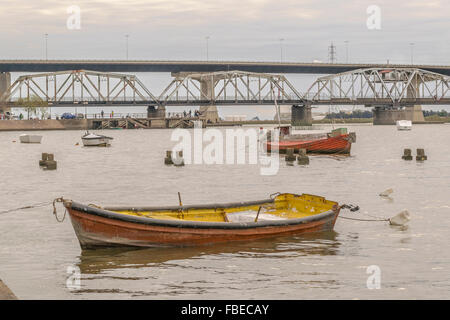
398	86
79	86
393	87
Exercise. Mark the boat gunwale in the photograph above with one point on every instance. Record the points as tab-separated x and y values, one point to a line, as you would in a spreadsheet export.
104	213
98	137
194	206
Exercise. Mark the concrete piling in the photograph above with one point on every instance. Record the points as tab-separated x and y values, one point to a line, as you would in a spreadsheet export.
421	155
168	158
179	162
302	158
51	165
290	154
407	154
48	161
44	159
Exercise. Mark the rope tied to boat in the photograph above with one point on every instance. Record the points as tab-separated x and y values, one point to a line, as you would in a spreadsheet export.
354	208
37	205
62	200
364	219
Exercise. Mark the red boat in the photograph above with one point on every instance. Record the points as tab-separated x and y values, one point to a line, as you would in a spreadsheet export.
336	142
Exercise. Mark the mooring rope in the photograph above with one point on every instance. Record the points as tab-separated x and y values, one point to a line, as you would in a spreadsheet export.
54	209
37	205
363	219
354	208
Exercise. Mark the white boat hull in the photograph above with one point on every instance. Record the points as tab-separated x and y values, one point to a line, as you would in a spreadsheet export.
97	142
404	125
30	138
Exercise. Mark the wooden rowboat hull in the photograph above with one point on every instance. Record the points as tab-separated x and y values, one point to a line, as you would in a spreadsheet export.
96	227
331	145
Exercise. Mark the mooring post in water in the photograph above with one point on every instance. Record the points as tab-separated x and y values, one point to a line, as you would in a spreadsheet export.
179	161
407	154
290	154
48	161
421	155
6	293
168	158
44	159
302	158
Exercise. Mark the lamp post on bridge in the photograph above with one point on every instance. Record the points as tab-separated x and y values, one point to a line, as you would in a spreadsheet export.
46	46
126	39
281	50
346	51
412	52
207	48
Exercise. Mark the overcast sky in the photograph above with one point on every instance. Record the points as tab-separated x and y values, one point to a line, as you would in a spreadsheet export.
238	30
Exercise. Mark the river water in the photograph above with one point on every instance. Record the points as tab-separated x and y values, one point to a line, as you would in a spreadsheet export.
36	252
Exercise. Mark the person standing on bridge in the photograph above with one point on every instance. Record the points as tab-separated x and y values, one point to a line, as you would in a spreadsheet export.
102	113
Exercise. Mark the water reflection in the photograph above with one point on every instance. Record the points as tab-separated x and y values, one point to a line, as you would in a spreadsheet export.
101	260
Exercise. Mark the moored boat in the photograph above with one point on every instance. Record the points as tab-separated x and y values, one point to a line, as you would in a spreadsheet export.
30	138
283	214
404	125
96	140
336	142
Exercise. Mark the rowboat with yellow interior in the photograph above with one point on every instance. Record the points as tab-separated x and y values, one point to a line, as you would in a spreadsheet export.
186	225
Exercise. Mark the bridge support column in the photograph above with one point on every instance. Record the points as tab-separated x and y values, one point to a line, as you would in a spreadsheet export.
301	115
5	83
156	112
415	110
209	113
388	115
207	84
416	113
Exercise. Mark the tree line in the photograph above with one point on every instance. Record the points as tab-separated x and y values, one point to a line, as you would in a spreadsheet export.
360	114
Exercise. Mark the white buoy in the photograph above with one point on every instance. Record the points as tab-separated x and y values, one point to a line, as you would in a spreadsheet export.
400	219
386	193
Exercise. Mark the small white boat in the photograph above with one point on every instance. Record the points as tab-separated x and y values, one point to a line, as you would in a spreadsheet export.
95	140
404	125
30	138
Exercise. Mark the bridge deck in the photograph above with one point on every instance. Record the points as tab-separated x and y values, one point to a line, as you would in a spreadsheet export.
197	66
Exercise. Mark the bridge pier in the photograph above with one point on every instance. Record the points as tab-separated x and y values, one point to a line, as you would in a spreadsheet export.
156	112
5	83
301	115
388	115
209	113
414	92
207	82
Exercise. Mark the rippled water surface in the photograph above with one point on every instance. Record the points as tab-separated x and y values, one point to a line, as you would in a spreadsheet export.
35	250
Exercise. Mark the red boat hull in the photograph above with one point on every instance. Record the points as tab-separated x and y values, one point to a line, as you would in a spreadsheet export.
330	145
